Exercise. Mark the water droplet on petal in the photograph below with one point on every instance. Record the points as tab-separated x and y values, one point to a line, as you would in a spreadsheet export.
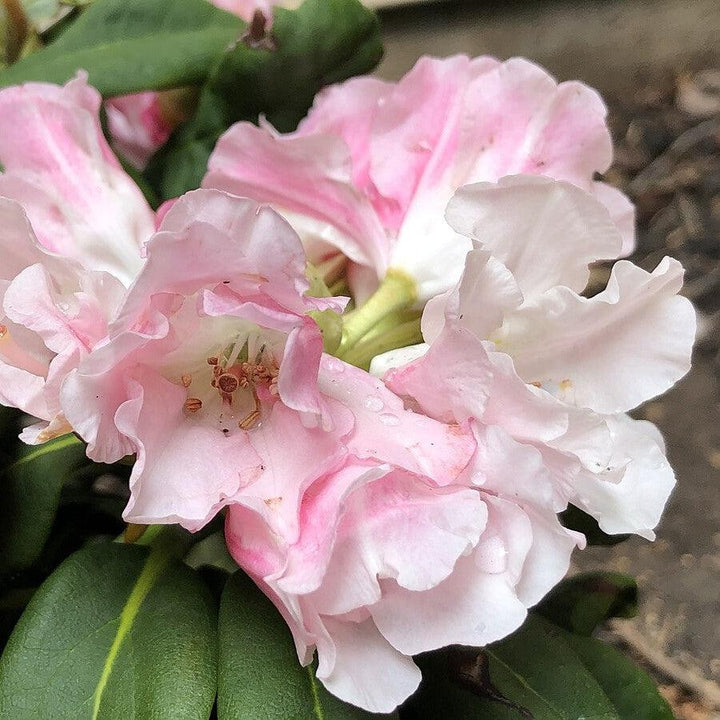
334	365
389	419
374	403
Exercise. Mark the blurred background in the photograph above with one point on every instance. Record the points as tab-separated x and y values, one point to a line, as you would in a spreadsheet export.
657	64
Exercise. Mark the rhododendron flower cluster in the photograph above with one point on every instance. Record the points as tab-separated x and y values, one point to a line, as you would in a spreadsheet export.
394	489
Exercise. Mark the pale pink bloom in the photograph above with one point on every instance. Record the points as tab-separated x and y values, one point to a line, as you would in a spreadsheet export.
552	368
387	563
211	373
138	125
74	228
372	167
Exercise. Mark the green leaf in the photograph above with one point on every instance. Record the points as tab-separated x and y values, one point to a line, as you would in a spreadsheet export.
576	519
322	42
582	603
29	496
132	45
116	633
631	691
541	672
259	675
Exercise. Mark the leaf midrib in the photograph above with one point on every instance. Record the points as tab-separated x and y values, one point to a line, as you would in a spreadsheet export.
558	714
152	569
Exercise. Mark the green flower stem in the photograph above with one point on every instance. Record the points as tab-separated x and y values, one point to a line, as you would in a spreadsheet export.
140	534
400	317
396	292
398	337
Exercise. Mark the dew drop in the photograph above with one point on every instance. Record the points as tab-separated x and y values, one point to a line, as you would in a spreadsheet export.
335	365
374	403
389	419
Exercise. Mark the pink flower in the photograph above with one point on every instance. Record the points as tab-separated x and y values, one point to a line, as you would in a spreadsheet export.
139	123
385	563
138	126
74	228
372	167
515	346
212	370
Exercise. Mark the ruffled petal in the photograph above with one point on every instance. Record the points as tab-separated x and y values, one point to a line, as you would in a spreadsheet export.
545	232
367	671
485	293
387	432
308	175
613	351
622	212
477	604
524	122
185	471
244	253
307	557
58	165
285	474
398	527
348	111
298	379
458	379
629	495
415	132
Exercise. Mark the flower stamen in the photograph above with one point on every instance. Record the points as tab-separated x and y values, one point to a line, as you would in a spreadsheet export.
193	404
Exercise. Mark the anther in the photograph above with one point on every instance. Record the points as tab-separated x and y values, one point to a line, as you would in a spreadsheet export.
3	331
186	380
193	404
227	383
212	360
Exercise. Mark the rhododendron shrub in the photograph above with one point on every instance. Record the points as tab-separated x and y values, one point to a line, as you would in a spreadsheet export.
356	366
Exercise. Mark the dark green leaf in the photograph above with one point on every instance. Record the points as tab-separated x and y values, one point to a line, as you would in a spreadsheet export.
29	496
322	42
583	602
575	519
260	677
541	672
116	633
632	692
132	45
